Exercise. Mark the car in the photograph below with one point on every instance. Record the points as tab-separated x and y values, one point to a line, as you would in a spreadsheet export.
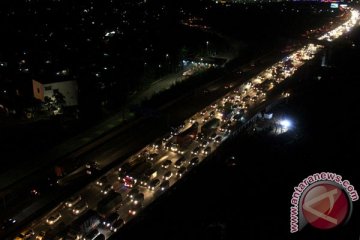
237	118
148	174
167	175
138	198
111	219
166	164
205	119
181	172
218	139
73	201
236	91
143	153
54	218
227	86
152	156
196	151
106	189
206	90
194	161
204	143
225	128
157	144
143	181
212	136
166	138
102	181
178	128
164	185
246	98
7	223
232	161
154	184
206	151
180	162
214	105
40	235
260	94
135	209
80	207
200	136
92	235
133	192
212	114
117	225
24	235
168	146
92	166
203	112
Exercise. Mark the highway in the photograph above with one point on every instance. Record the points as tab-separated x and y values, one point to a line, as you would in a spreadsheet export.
176	153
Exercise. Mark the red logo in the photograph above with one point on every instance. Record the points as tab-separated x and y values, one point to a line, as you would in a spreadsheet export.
325	206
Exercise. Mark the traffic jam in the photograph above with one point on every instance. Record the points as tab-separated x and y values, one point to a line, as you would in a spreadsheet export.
104	206
343	28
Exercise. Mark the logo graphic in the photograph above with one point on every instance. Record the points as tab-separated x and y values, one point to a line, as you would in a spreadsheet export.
323	201
325	206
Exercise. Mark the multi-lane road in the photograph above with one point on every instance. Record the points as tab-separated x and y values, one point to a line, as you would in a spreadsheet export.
143	177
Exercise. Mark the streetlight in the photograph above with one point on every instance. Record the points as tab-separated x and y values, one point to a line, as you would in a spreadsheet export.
207	47
285	125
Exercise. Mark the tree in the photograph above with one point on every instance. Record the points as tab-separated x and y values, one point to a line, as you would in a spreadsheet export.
56	103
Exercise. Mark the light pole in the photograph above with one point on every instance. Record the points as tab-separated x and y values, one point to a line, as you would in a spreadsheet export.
207	47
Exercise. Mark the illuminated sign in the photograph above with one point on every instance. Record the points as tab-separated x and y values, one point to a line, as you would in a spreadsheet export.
334	5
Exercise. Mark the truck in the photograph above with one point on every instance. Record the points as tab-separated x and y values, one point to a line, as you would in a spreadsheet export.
265	85
189	133
184	139
83	225
210	127
67	171
227	113
106	205
134	176
227	110
129	167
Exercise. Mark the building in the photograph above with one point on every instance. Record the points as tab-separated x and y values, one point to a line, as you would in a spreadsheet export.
69	89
